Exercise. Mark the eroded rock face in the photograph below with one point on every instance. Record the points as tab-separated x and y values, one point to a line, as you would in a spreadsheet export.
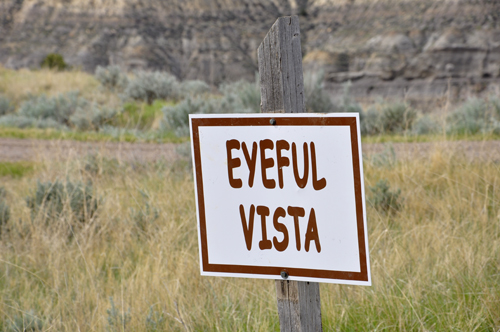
414	49
191	39
385	48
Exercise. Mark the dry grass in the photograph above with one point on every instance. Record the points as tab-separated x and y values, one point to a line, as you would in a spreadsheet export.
435	264
18	85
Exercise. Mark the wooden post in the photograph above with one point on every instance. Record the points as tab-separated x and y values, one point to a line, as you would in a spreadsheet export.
282	91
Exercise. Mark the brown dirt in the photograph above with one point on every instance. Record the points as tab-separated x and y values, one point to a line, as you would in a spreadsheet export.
480	150
37	150
12	149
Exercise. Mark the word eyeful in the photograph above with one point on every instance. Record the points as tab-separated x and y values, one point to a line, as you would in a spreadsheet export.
266	163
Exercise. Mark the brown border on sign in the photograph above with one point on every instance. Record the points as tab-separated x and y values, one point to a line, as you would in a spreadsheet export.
276	270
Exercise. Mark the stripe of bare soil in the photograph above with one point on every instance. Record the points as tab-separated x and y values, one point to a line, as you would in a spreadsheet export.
13	149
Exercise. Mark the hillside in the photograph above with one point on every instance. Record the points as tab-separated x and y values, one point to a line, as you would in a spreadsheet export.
413	49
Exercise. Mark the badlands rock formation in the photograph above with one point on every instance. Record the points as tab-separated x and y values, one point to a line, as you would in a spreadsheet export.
390	48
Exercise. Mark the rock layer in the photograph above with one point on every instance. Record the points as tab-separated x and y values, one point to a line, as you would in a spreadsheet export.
414	49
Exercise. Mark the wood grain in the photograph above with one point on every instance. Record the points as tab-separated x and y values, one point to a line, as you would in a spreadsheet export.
280	68
282	91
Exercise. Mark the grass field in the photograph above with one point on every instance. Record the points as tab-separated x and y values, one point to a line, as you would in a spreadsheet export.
133	266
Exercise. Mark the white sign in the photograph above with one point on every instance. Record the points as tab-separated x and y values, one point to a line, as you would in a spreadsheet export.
281	193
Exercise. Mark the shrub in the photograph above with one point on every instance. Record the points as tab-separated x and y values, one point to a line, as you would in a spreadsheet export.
59	108
155	321
386	158
193	88
391	118
397	118
6	106
475	116
240	97
384	199
117	320
4	209
350	106
316	98
495	106
54	61
176	118
425	125
144	217
95	165
148	86
25	322
20	121
92	118
371	123
50	199
347	104
61	112
111	77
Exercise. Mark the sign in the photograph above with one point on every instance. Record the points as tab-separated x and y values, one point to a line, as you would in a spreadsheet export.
281	194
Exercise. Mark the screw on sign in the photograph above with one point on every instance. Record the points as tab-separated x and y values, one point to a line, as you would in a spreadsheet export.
282	196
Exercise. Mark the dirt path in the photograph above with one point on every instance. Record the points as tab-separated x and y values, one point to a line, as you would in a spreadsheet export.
480	150
12	149
35	150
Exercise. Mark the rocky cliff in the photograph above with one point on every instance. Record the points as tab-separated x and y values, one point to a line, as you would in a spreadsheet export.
413	48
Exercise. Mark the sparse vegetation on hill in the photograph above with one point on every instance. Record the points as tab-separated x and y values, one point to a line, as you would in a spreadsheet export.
155	106
54	61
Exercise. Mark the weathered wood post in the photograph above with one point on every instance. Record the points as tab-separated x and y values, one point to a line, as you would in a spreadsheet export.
282	91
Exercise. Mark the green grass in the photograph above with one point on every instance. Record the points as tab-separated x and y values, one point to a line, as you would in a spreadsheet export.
53	134
16	169
141	115
388	138
87	136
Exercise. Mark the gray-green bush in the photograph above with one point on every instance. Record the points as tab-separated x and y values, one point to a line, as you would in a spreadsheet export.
6	106
390	118
49	200
241	97
19	121
397	117
60	112
149	86
92	118
59	108
155	321
176	117
25	322
425	125
117	320
4	209
371	123
475	116
316	98
384	199
386	158
111	77
193	88
145	216
347	103
238	97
